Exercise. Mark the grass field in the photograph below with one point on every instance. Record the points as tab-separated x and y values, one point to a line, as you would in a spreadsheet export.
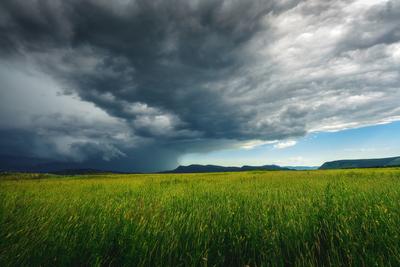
294	218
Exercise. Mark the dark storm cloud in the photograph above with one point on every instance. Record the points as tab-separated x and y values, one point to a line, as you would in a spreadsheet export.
181	76
165	54
19	142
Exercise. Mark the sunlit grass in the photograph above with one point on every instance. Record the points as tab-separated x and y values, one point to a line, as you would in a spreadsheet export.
305	218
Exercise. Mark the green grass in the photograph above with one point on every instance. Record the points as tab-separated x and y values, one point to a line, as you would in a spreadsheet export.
307	218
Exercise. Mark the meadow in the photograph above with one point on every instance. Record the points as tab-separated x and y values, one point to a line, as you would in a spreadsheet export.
281	218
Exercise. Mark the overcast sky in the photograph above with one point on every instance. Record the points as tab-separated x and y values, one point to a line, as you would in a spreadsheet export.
144	85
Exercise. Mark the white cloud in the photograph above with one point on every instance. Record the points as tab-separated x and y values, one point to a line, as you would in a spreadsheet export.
285	144
254	143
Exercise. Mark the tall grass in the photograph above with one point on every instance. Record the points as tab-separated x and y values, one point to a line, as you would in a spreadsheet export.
307	218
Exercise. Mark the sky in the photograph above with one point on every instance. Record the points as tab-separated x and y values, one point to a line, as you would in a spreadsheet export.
137	85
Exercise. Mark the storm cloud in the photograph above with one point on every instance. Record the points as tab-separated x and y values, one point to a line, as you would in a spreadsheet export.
133	85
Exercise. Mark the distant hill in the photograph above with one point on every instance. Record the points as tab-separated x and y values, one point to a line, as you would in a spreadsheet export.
84	172
10	163
196	168
361	163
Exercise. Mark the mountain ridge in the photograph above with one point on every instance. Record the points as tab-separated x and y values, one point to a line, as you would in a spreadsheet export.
198	168
30	164
361	163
